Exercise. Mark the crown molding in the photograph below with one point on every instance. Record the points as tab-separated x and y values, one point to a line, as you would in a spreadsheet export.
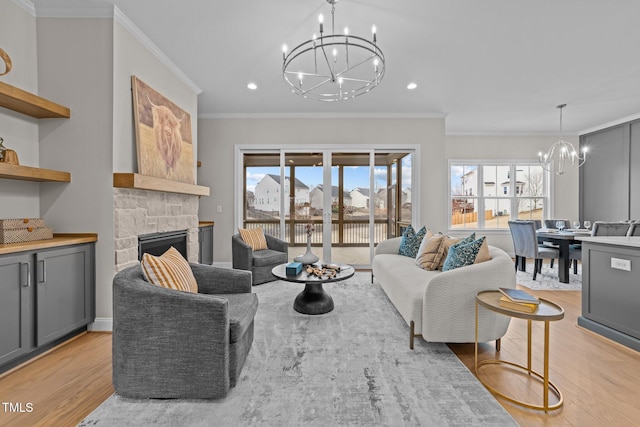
123	20
89	11
26	5
321	116
610	124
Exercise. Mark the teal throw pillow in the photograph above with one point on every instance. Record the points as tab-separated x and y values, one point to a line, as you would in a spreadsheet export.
461	255
411	240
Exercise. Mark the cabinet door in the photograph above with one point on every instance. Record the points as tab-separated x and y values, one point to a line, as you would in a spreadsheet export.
205	238
16	328
64	292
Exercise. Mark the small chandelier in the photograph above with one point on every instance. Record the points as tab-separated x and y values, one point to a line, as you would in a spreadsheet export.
333	67
562	156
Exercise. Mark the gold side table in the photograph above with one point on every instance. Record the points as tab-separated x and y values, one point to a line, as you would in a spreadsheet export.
546	312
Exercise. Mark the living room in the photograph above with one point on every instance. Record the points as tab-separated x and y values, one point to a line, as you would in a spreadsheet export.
83	56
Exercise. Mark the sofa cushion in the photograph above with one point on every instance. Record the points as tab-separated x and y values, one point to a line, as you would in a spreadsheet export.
461	254
242	310
430	251
411	240
169	270
268	257
253	237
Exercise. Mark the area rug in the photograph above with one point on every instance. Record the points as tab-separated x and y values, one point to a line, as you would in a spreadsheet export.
352	366
548	279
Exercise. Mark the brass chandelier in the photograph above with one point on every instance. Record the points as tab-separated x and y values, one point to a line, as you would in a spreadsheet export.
562	156
333	67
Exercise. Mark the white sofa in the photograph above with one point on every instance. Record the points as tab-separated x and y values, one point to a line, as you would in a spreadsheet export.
440	306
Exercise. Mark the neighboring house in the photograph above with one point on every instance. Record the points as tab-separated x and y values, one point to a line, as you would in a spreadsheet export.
267	193
496	182
316	196
360	197
406	196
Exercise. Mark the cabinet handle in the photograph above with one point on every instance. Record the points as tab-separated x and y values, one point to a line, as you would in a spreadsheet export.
25	275
42	271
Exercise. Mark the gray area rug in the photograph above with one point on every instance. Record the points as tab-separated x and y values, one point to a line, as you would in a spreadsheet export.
548	279
352	366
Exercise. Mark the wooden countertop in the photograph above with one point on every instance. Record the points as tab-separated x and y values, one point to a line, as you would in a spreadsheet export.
205	223
59	239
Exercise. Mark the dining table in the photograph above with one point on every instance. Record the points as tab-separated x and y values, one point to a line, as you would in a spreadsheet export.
563	240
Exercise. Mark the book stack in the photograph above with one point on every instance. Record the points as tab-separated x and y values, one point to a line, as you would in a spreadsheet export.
519	300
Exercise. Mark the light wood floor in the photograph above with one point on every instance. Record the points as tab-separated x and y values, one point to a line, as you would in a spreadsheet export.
600	380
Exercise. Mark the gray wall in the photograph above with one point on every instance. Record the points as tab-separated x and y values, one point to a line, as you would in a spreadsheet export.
218	137
21	133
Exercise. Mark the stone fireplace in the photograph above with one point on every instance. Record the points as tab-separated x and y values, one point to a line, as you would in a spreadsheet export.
142	212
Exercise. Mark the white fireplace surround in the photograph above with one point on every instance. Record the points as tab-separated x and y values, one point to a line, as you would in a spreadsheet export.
139	212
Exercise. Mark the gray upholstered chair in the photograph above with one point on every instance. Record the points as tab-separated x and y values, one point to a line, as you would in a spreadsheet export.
634	229
551	223
525	245
174	344
260	263
602	228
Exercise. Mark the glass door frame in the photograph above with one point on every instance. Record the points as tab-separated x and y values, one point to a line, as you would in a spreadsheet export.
327	151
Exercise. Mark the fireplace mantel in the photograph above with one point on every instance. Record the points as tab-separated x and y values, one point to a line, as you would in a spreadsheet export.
142	182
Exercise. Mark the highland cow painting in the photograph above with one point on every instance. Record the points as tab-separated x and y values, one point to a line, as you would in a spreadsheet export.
163	135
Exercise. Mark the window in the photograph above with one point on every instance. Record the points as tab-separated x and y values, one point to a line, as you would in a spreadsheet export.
522	193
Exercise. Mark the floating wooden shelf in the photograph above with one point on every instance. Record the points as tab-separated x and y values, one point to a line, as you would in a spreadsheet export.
32	105
27	173
151	183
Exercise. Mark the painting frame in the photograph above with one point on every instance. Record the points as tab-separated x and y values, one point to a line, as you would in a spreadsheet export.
163	134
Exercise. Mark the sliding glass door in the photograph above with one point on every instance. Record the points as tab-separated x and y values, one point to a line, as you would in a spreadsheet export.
344	200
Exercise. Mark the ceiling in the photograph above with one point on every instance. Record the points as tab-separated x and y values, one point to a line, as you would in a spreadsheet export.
488	66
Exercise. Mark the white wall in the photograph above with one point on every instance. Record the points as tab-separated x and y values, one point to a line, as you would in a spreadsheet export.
564	197
19	199
218	138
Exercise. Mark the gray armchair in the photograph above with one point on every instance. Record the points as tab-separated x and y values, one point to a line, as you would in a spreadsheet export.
260	263
174	344
525	245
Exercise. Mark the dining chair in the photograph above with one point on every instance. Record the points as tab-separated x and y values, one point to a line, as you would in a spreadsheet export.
602	228
525	245
551	223
634	229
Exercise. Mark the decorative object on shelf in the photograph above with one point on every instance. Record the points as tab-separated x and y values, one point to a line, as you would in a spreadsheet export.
333	67
7	155
562	156
163	135
7	62
18	230
308	257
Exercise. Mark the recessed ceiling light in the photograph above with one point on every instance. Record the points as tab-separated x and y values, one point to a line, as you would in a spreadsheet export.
412	86
252	86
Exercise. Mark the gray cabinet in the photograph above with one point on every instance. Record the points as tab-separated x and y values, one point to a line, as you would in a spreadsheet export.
611	289
16	296
205	239
45	295
64	293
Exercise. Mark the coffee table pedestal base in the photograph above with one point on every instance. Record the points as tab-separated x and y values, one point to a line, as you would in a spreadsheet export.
313	300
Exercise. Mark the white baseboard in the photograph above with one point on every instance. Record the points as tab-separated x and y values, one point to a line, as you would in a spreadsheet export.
101	324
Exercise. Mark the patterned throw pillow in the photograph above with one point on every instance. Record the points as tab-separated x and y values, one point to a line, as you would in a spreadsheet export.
461	255
483	253
253	237
169	270
411	240
450	241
